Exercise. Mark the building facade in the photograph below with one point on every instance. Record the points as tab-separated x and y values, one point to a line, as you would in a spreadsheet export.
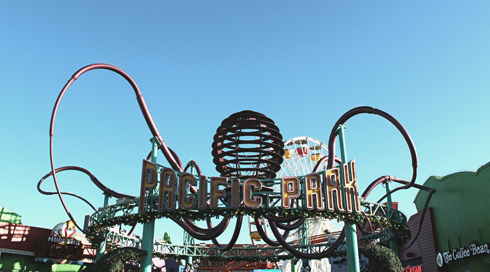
21	248
459	219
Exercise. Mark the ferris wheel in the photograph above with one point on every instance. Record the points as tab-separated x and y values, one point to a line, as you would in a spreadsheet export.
301	154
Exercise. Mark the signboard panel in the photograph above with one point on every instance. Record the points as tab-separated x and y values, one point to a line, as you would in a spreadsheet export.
61	244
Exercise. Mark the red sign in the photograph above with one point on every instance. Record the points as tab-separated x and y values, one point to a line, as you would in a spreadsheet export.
61	244
417	268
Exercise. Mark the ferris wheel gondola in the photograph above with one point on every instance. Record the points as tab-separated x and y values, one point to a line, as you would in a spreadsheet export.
301	154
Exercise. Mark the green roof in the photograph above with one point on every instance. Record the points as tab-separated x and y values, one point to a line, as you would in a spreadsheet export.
459	207
9	216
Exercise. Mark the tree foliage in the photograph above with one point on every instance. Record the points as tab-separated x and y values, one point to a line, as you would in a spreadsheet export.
166	238
383	259
114	260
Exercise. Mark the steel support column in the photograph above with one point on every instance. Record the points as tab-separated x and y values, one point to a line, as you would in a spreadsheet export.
350	229
149	226
393	243
100	250
101	246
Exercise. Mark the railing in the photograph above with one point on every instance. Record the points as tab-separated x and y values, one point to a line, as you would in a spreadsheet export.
381	228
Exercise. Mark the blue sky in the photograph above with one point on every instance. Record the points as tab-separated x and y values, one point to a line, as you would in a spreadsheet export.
302	63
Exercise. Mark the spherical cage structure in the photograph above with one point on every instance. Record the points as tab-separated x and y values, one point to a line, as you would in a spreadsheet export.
248	144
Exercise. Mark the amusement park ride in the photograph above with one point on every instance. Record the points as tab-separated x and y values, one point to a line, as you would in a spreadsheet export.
294	193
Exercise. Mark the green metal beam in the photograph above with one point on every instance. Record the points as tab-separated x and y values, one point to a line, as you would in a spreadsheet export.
350	229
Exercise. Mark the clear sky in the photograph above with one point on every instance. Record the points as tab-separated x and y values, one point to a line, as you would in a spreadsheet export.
302	63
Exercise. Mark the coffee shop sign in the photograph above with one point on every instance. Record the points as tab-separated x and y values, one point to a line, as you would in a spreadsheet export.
461	253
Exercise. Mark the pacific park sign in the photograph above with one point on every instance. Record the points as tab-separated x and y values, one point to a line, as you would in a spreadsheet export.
323	191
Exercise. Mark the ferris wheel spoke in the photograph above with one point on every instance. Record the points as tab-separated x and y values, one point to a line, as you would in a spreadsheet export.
290	167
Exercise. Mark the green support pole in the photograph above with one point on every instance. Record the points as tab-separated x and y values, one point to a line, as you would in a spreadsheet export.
149	226
350	229
106	200
393	243
100	250
293	265
188	239
306	265
101	246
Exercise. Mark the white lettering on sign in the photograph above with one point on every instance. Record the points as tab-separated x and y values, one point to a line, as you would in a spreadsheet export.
462	253
63	240
483	249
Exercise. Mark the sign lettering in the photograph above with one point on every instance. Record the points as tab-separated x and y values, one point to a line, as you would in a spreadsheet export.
461	253
317	191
